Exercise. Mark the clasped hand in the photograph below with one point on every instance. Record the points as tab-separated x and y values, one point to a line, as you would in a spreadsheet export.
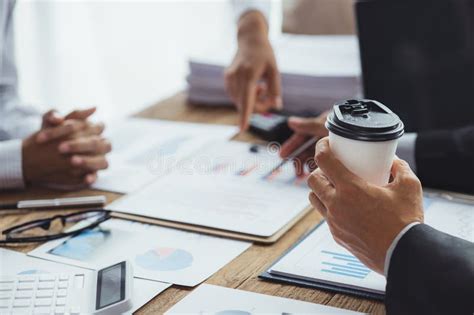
67	152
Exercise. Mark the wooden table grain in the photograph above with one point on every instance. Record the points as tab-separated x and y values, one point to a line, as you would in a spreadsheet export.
242	273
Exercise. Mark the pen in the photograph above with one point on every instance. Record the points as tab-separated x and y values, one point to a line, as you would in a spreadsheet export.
58	202
293	155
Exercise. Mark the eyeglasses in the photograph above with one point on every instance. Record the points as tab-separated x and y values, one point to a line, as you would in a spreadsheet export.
53	228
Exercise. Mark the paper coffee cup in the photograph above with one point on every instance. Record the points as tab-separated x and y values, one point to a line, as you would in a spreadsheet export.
363	134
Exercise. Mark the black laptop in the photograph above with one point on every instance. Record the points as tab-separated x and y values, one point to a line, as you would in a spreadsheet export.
418	58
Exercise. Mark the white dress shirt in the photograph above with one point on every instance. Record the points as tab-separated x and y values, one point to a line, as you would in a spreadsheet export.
17	120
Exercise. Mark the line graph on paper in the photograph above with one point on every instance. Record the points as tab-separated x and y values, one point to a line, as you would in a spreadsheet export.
454	218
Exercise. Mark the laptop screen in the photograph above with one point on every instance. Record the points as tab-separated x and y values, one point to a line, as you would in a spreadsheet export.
418	59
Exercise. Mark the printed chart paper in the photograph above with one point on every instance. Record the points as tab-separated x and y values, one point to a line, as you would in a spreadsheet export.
144	149
209	299
157	253
15	263
225	187
318	257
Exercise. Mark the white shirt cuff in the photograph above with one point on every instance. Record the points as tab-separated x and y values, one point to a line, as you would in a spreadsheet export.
392	246
406	149
11	173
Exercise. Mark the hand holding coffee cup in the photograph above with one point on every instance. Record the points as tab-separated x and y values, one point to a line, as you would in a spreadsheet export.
363	134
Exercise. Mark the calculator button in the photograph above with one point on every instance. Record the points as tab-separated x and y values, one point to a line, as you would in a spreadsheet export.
44	293
21	303
44	278
5	295
43	302
79	281
6	287
60	301
23	294
45	285
61	293
4	303
26	278
63	285
59	311
24	286
75	310
42	311
4	279
63	277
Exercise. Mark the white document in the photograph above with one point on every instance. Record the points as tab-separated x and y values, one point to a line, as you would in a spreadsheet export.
210	299
13	263
455	218
224	187
157	253
144	149
318	257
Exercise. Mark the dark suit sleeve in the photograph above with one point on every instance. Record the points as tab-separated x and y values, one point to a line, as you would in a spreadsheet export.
432	273
445	159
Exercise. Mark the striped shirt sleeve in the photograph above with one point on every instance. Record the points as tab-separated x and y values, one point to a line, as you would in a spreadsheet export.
11	173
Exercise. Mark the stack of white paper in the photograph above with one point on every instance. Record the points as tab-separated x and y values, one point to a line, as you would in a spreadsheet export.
316	71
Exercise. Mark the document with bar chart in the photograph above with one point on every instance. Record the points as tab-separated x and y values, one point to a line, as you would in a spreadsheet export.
319	257
318	261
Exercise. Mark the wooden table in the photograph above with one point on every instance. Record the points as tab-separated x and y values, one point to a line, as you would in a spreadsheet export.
242	272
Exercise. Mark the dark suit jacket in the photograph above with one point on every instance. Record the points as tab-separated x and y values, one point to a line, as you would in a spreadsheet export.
420	67
430	273
445	159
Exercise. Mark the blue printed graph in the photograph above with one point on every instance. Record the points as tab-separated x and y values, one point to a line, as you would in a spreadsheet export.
81	247
165	259
344	265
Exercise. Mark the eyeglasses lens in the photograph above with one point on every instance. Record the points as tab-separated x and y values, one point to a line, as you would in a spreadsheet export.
38	229
73	223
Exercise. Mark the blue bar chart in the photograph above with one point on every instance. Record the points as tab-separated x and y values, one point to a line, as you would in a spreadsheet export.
343	265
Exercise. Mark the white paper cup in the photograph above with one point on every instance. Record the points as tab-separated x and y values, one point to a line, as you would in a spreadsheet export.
363	135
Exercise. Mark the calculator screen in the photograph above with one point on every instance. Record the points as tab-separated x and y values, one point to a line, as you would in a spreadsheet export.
110	285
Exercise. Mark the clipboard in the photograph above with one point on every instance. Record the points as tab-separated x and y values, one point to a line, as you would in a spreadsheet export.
321	285
314	284
215	232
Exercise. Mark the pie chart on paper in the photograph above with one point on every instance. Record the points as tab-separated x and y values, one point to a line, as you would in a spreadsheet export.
164	259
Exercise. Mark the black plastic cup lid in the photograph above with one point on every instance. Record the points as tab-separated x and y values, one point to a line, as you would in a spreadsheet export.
364	120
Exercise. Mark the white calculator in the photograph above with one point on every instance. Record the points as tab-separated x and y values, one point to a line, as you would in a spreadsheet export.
107	291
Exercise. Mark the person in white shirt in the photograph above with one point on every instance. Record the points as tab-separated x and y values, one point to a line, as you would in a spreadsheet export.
61	152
